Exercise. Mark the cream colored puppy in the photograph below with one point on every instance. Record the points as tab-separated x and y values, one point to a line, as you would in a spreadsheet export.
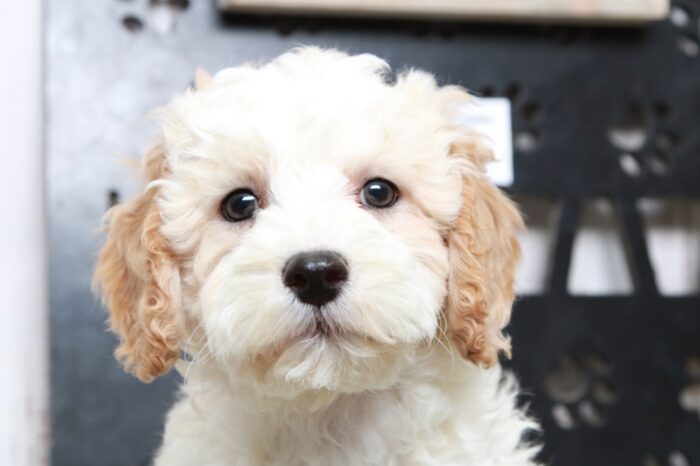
326	249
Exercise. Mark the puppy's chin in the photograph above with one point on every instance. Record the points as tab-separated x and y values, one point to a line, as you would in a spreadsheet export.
315	369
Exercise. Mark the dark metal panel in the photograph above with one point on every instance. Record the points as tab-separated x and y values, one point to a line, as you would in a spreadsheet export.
630	357
570	87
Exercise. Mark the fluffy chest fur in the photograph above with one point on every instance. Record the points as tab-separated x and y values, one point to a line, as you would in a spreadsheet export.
440	413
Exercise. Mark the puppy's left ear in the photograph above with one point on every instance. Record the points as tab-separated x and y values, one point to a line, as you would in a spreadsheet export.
484	252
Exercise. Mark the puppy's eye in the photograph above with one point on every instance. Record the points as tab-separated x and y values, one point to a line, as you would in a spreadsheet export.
239	205
379	193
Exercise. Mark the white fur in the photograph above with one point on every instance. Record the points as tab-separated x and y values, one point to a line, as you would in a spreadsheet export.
440	411
305	132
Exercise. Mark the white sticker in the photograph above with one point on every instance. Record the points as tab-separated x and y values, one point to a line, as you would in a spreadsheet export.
490	116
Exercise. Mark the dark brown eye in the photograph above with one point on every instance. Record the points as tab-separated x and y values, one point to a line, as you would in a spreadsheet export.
379	193
239	205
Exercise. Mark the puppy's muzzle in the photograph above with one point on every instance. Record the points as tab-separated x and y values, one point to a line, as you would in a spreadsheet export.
315	277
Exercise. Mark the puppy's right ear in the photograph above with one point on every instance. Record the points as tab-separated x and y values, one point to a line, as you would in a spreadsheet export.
138	277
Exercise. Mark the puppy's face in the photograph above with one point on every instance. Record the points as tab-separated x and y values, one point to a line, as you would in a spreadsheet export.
309	226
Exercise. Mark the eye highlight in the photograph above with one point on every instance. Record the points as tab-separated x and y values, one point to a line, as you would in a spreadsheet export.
239	205
379	193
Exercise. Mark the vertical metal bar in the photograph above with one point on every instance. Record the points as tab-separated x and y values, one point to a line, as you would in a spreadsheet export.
558	274
636	251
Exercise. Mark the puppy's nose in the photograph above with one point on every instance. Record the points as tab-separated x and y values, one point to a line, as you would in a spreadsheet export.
315	277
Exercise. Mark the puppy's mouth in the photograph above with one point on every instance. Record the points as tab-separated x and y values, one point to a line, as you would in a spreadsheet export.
320	328
323	326
327	328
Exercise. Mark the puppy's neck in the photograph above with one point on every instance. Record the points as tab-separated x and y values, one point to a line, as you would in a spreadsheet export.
434	396
437	367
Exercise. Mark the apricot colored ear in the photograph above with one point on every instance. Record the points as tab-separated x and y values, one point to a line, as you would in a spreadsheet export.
138	278
484	252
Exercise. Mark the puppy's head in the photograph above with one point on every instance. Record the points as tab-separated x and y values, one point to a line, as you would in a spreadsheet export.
307	226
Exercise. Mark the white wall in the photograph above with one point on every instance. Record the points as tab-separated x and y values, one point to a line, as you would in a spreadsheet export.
24	436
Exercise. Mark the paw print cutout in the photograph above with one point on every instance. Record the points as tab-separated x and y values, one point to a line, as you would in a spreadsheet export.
689	396
645	142
160	15
685	16
582	390
527	136
689	400
674	458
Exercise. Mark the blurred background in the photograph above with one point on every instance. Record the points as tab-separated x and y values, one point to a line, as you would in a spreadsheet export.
604	123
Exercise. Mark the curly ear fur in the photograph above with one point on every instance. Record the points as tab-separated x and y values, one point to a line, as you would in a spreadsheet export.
484	251
138	278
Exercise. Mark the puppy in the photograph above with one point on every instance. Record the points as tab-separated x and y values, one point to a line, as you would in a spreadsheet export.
320	254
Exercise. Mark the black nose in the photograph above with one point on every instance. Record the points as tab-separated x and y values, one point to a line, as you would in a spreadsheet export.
316	277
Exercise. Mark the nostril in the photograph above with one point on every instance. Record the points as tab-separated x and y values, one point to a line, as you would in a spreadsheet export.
296	281
336	275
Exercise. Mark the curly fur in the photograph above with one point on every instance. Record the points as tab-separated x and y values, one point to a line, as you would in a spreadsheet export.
407	372
484	252
138	277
